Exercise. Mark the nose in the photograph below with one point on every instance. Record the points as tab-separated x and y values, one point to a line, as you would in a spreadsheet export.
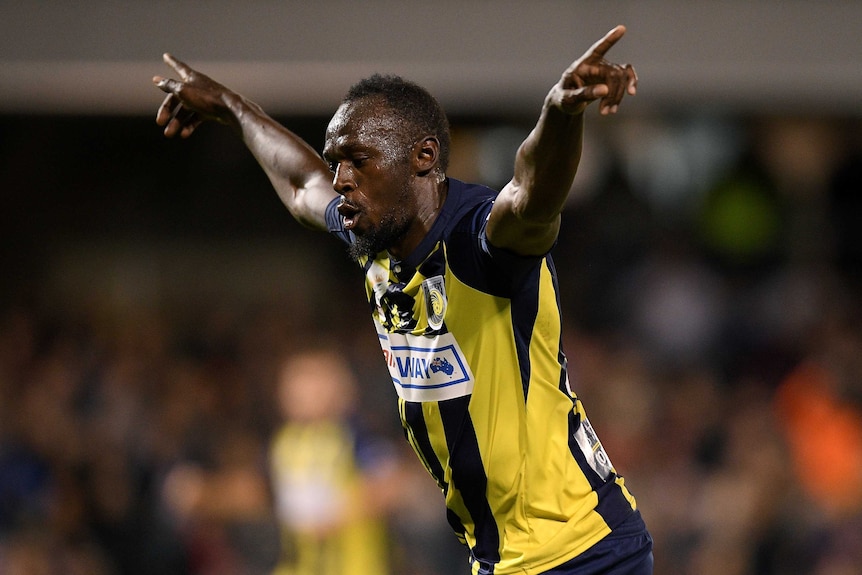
342	179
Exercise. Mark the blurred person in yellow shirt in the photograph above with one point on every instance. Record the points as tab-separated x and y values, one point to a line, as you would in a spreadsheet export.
331	481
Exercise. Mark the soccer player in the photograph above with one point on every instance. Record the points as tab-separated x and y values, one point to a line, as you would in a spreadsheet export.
464	297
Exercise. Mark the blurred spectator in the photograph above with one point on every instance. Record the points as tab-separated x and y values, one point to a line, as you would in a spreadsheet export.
333	484
819	406
223	509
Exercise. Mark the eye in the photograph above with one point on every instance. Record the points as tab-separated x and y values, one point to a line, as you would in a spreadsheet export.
332	166
359	161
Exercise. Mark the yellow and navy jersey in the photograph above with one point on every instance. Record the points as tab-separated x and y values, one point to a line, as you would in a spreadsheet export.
317	477
472	338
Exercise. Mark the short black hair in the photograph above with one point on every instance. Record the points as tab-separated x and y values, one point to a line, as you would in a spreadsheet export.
421	113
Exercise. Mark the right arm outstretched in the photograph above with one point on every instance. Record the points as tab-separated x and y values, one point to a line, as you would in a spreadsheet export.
297	172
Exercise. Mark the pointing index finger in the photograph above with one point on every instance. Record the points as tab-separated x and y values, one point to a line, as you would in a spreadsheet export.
601	47
182	69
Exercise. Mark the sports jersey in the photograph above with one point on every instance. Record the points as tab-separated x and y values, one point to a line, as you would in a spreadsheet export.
472	338
316	481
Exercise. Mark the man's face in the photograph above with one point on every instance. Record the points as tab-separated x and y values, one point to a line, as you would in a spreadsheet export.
371	171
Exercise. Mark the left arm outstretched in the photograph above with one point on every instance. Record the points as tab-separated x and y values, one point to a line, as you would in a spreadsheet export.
526	215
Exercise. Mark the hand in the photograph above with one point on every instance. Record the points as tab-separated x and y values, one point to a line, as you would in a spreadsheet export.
591	77
191	101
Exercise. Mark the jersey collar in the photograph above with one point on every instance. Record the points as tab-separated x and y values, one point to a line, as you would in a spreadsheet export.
435	234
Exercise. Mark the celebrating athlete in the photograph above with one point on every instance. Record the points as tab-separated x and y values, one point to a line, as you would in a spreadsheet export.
464	298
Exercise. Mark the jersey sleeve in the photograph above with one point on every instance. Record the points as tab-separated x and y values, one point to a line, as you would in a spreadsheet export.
483	265
501	254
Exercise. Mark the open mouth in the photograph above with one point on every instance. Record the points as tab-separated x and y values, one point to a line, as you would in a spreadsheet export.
349	214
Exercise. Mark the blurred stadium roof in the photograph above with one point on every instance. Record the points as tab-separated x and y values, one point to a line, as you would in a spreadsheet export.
492	56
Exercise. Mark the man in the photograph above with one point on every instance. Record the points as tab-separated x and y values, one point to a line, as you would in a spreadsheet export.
464	298
333	482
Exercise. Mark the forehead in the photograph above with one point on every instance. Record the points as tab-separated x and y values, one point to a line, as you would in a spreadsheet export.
365	122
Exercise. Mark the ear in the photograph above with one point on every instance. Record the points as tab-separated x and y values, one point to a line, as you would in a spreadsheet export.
426	155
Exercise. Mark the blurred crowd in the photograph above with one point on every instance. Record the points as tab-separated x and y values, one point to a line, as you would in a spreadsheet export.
712	281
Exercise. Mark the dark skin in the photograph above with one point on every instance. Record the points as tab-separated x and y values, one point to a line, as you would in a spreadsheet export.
379	180
381	185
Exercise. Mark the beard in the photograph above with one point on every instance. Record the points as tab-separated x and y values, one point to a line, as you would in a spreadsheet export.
392	228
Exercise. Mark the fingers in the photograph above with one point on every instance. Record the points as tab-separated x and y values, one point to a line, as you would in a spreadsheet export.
632	76
171	107
176	118
606	82
181	68
597	51
620	83
589	93
592	77
601	47
183	122
172	114
190	126
166	110
168	85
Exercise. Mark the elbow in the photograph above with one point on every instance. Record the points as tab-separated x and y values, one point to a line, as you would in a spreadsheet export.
531	206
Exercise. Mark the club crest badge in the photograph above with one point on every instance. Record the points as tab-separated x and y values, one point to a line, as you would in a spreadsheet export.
435	301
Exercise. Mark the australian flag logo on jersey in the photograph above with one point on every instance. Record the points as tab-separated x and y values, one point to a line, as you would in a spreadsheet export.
426	368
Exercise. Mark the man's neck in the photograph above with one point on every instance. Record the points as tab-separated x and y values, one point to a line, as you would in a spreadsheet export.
426	215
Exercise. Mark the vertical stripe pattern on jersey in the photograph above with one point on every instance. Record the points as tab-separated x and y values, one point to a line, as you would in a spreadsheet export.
468	473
